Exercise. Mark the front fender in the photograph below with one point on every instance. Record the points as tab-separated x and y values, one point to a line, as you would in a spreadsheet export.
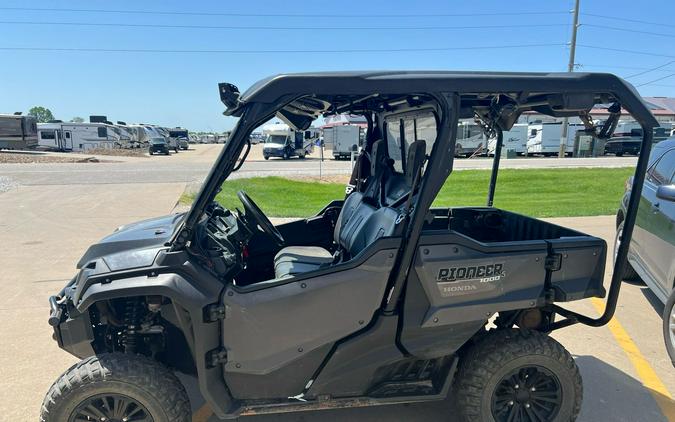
193	296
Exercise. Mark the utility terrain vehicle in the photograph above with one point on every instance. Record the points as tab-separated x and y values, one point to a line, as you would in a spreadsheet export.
377	299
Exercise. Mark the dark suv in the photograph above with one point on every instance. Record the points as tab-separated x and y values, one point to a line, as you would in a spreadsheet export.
158	145
652	249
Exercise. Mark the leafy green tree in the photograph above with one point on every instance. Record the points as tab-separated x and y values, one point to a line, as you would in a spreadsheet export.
41	114
77	119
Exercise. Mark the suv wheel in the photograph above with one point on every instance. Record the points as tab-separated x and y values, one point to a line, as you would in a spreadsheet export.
518	375
629	273
669	326
116	387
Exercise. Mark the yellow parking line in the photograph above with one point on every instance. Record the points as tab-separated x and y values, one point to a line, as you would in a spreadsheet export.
644	370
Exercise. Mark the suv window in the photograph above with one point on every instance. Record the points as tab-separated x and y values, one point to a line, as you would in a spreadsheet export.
662	172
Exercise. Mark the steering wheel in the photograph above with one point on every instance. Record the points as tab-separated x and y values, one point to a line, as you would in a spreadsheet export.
256	218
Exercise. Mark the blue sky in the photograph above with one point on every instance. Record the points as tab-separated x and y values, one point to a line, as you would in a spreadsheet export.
179	88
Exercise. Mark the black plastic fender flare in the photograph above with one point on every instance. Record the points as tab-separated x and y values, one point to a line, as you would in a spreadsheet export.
192	296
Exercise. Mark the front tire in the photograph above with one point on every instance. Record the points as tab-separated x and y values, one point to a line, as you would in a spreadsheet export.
518	375
116	386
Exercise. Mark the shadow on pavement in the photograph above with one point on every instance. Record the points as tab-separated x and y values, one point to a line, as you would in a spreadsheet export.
653	300
609	395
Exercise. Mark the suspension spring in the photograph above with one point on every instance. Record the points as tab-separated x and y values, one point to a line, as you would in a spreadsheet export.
132	318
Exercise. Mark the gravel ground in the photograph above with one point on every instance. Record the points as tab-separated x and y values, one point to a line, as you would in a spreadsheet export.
29	157
6	184
118	152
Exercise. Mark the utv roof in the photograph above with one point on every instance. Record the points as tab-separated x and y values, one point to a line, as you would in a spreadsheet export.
523	85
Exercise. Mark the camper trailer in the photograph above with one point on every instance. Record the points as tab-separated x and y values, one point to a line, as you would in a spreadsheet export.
470	140
283	142
514	140
50	136
78	136
17	131
343	140
544	138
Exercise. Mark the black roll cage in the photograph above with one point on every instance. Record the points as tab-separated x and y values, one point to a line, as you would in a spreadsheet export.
558	95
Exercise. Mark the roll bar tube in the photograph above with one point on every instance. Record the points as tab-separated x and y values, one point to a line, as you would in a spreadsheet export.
495	166
622	254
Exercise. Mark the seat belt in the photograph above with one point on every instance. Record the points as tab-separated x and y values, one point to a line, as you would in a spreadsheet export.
408	207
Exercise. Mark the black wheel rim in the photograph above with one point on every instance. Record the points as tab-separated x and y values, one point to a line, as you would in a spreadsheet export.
110	408
528	394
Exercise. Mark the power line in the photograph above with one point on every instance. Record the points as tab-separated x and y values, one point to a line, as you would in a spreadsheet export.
650	70
635	31
284	15
620	50
667	25
285	28
656	80
190	51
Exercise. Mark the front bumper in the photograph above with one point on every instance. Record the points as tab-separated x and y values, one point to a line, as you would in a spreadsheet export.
273	152
73	330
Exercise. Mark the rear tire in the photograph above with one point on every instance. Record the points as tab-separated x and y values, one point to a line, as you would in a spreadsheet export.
511	371
148	389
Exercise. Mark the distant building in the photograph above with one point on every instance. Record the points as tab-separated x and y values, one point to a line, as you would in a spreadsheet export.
663	109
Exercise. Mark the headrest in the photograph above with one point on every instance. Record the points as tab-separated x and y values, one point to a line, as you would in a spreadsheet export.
416	155
378	157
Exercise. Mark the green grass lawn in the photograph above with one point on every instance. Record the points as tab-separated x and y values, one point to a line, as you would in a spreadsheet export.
535	192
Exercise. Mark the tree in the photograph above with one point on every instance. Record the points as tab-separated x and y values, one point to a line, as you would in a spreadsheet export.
41	114
77	119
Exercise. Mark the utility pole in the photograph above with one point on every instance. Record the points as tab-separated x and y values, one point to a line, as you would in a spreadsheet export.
570	68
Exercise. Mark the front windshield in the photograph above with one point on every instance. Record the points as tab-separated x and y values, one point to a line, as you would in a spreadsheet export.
275	139
158	141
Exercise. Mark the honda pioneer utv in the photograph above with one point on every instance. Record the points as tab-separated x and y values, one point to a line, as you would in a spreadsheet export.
377	299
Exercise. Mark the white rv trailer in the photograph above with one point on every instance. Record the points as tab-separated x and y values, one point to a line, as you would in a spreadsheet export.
470	140
77	136
514	139
544	138
343	140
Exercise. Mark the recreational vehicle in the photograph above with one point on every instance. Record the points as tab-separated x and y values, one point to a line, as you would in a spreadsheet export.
343	140
180	136
544	138
50	136
514	139
281	141
470	140
79	136
17	131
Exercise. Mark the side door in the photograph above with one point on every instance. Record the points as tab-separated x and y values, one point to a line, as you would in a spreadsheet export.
67	140
654	225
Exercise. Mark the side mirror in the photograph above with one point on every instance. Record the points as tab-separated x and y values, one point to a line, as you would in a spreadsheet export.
666	192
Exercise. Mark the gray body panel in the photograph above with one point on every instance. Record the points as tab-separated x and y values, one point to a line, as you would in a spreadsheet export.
519	285
652	248
146	234
268	328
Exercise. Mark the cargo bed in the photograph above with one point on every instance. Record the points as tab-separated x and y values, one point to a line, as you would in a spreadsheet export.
474	261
